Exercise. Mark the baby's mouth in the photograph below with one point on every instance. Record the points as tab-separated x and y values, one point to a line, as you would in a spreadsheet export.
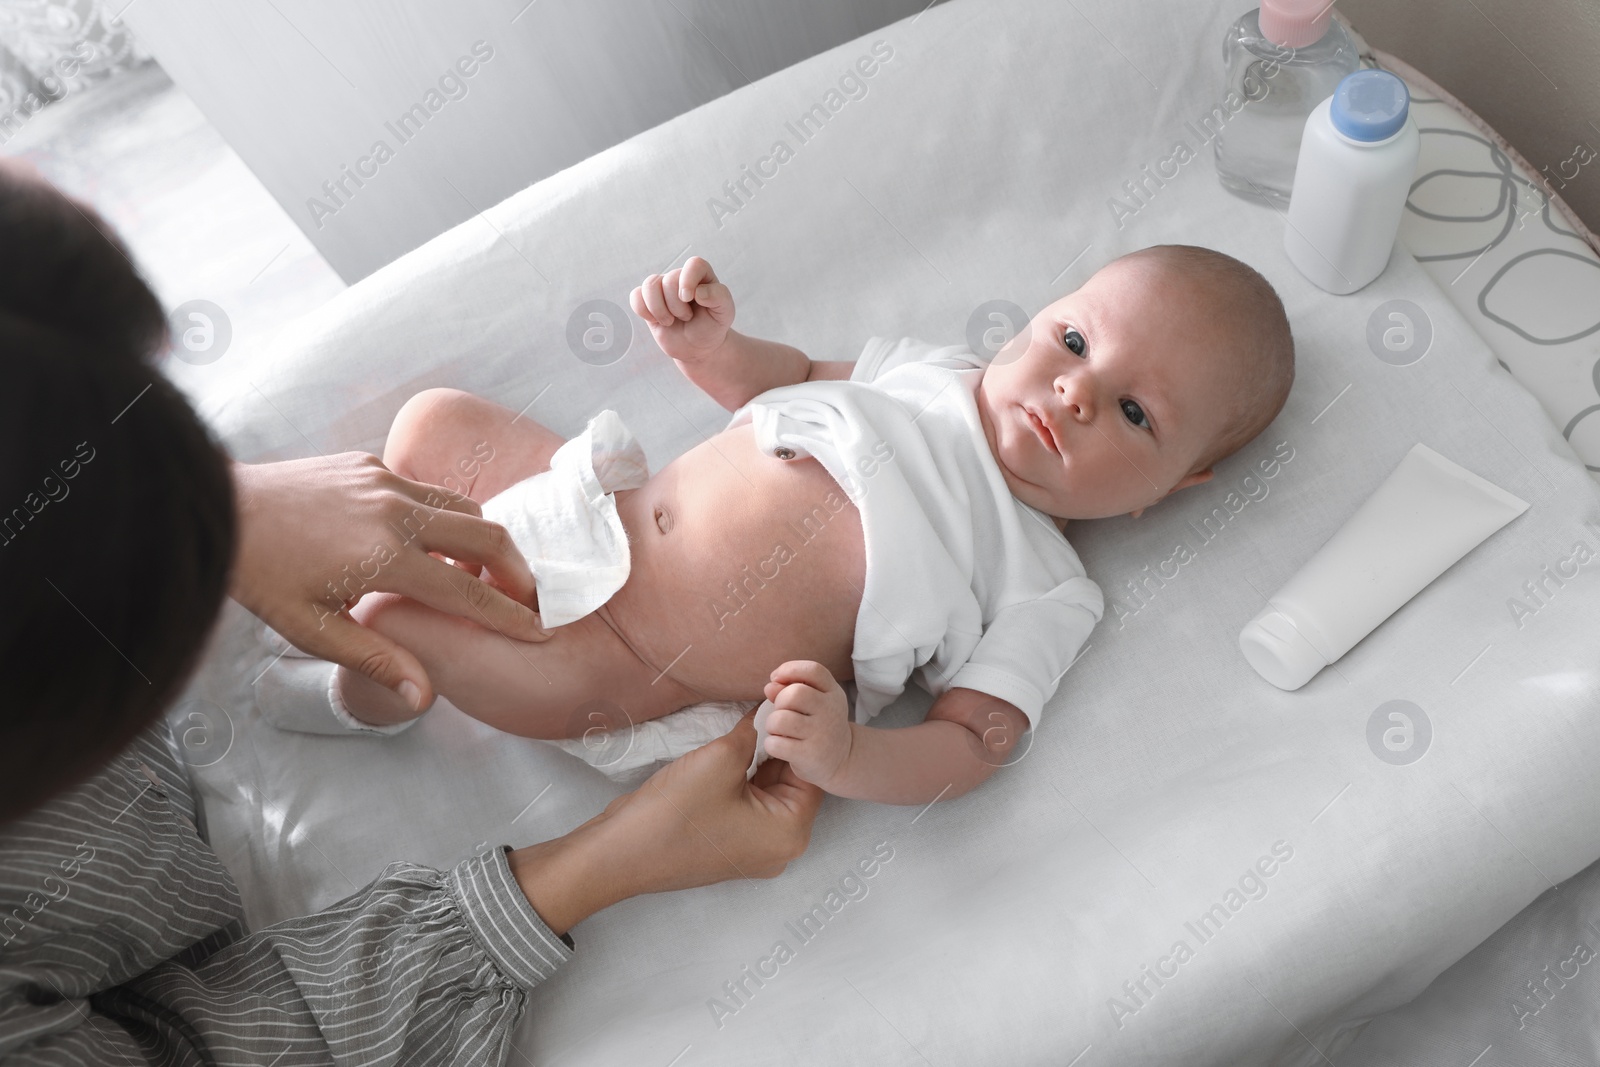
1042	428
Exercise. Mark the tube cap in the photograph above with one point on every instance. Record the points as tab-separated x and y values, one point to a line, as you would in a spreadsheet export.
1294	23
1370	105
1279	652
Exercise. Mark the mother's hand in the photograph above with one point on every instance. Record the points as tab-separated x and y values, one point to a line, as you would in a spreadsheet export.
694	822
317	534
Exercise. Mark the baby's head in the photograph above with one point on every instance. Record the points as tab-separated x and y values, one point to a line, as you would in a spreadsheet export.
1166	362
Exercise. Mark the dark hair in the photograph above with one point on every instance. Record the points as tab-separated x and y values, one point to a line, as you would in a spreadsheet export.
1260	332
116	506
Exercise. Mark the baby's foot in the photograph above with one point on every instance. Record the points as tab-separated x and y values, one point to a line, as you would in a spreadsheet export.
302	694
362	704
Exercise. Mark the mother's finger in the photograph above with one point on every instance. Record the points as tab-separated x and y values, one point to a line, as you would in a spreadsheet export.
346	642
470	539
455	592
798	797
437	496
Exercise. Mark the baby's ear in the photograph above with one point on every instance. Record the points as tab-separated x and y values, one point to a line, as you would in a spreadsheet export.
1193	479
1189	479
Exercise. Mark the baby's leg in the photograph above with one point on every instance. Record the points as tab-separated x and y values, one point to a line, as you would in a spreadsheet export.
467	444
584	676
470	446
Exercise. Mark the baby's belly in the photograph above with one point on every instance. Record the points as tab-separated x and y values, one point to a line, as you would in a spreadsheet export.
740	561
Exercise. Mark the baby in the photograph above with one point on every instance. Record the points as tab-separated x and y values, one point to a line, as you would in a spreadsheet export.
900	516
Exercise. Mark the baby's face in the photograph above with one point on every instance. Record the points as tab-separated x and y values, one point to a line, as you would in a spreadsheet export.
1103	405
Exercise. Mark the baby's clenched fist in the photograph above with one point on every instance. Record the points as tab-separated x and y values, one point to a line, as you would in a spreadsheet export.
687	310
810	723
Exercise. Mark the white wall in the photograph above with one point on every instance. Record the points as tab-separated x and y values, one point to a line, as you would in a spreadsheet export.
306	90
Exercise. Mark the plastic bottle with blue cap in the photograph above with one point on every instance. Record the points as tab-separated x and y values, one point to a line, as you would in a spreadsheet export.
1358	157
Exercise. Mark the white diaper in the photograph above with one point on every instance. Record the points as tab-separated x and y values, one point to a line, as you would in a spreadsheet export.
564	520
632	753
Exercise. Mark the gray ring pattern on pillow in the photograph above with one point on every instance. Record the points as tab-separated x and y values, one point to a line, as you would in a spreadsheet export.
1478	220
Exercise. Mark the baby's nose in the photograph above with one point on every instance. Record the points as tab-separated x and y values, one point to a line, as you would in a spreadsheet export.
1075	396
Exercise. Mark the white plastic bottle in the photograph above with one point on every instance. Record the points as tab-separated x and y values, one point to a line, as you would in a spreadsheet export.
1358	157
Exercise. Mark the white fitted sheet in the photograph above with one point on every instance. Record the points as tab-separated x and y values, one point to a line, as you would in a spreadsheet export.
979	166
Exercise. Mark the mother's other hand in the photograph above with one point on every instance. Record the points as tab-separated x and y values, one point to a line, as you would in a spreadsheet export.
694	822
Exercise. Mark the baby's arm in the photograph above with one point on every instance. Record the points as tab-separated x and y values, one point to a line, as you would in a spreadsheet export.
966	735
690	314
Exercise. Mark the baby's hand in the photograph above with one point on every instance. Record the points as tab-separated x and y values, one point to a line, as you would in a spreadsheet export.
810	723
688	310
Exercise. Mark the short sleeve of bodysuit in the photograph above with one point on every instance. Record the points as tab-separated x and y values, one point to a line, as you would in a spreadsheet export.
1028	646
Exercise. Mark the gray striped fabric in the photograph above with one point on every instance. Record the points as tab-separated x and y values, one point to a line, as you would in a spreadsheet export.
122	941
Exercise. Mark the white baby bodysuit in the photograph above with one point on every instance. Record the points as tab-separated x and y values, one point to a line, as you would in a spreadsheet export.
966	586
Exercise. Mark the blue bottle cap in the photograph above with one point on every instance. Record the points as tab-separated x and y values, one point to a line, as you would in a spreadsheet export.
1370	105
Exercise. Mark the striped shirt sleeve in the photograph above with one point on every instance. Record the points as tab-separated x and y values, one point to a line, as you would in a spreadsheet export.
121	941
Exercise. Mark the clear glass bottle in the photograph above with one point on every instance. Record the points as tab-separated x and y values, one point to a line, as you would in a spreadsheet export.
1281	60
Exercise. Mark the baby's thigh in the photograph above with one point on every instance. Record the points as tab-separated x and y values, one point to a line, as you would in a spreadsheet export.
583	676
467	444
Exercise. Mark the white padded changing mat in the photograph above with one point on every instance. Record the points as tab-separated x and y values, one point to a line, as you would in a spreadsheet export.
981	164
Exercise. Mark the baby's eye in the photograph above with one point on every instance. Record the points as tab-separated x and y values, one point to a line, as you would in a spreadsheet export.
1135	414
1075	342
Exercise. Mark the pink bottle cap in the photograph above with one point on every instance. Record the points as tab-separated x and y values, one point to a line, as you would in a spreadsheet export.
1295	23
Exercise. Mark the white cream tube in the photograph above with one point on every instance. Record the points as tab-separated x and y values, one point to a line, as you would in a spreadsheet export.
1426	515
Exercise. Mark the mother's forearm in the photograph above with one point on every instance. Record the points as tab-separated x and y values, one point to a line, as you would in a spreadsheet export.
567	879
